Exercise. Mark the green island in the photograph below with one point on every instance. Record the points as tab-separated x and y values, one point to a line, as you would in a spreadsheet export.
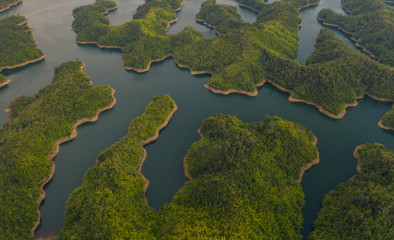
371	24
30	139
110	203
361	208
243	183
244	56
7	4
17	45
387	121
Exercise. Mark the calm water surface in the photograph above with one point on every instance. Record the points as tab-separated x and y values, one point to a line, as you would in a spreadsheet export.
163	167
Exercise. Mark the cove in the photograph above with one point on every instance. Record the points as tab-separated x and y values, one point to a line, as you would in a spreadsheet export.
163	167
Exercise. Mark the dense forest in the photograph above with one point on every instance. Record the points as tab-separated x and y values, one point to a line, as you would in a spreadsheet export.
362	207
371	23
245	54
28	138
3	80
110	202
16	43
5	4
388	119
243	184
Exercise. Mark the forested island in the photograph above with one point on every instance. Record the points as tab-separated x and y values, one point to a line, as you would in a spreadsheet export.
387	121
362	207
7	4
243	183
110	204
244	55
30	139
371	24
17	44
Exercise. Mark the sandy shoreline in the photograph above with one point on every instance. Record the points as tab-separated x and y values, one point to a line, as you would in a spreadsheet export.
24	63
185	171
10	5
6	82
380	124
309	5
323	21
98	45
357	157
149	140
310	164
203	22
248	7
56	149
227	92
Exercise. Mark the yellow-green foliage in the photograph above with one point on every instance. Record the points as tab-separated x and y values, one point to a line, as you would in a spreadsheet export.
28	137
6	3
362	207
247	54
110	202
2	79
243	184
16	42
388	118
371	22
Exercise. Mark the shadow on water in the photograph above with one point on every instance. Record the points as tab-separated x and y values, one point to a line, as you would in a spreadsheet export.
163	166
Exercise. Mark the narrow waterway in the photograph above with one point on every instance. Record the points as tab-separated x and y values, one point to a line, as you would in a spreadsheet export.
163	167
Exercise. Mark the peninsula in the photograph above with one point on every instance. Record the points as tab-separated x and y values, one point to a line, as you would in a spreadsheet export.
244	55
361	208
17	45
31	137
241	176
7	4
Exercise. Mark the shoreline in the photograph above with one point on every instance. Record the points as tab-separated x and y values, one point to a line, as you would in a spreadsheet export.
10	5
203	22
97	44
380	124
227	92
309	165
176	18
248	7
55	151
356	43
309	5
5	83
357	157
144	142
24	63
185	171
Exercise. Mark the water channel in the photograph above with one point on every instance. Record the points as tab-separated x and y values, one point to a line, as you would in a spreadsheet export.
163	167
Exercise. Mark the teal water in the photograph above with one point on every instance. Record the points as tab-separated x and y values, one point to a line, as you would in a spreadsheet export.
163	167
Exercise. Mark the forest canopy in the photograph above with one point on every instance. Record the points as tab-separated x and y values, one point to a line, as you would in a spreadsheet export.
28	138
243	183
361	208
244	55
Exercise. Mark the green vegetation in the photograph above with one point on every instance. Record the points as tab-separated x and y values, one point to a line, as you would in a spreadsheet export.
243	182
361	208
16	42
2	79
388	119
28	138
243	185
223	17
245	54
5	3
372	24
110	202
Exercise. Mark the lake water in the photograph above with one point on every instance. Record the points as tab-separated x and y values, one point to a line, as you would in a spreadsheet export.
163	167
